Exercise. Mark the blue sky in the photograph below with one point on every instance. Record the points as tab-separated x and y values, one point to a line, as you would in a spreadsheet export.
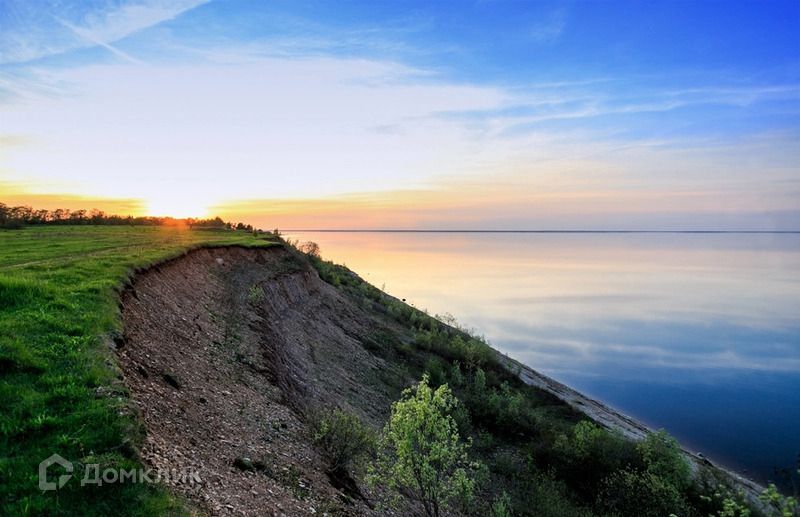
482	114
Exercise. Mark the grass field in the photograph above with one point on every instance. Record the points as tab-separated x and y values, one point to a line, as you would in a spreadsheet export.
59	290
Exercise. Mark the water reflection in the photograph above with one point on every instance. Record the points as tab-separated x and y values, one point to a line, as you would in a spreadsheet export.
696	333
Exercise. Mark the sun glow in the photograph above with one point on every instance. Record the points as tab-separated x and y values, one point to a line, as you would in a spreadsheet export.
176	207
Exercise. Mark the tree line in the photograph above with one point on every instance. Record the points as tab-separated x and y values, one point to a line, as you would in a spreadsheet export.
12	217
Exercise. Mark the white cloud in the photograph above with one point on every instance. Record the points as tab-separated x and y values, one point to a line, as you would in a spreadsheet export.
39	29
260	127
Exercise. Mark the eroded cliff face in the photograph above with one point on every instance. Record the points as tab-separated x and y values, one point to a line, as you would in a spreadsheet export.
227	352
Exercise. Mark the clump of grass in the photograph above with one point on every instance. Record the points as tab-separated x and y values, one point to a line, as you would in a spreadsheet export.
255	294
17	291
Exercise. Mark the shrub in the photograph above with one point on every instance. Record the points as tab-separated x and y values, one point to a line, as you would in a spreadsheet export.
310	248
589	456
421	453
779	504
639	494
435	369
544	496
502	506
662	457
343	439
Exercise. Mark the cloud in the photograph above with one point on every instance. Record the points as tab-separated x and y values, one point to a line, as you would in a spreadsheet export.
273	126
34	30
549	30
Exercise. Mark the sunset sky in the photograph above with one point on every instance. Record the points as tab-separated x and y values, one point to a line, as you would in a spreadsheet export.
487	114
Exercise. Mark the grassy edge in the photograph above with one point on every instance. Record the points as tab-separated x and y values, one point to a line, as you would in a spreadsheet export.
115	402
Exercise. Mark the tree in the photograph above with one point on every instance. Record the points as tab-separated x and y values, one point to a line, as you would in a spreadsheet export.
421	453
309	248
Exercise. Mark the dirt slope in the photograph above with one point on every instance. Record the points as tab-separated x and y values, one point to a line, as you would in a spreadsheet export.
229	352
224	352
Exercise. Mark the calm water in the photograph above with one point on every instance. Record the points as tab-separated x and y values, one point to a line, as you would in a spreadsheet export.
695	333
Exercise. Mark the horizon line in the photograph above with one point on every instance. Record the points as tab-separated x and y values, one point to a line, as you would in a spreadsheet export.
405	230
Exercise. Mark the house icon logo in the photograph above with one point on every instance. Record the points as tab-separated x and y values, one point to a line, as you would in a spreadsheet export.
55	459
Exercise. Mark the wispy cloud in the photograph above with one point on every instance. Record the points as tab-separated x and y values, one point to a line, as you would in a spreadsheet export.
39	29
90	37
550	29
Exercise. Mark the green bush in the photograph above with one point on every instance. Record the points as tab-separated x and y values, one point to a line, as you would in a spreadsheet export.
779	504
662	457
639	494
421	453
501	507
343	439
436	370
588	456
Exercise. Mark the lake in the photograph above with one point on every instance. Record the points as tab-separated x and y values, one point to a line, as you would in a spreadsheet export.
695	333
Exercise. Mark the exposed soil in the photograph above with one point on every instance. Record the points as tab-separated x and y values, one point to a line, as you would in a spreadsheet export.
227	352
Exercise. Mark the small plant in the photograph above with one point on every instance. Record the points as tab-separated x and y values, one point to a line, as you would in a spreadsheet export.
501	507
255	294
344	440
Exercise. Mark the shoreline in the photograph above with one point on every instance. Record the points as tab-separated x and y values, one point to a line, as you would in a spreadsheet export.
613	419
631	428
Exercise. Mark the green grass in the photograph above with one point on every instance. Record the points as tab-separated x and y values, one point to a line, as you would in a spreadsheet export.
59	292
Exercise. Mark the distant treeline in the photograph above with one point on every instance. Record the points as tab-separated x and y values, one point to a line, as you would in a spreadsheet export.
12	217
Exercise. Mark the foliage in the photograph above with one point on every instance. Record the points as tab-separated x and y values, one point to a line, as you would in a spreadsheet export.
16	217
587	456
779	504
630	492
733	508
421	452
501	507
343	439
662	457
310	248
255	294
59	290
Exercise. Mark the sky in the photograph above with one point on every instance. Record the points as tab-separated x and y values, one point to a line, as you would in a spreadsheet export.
484	114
